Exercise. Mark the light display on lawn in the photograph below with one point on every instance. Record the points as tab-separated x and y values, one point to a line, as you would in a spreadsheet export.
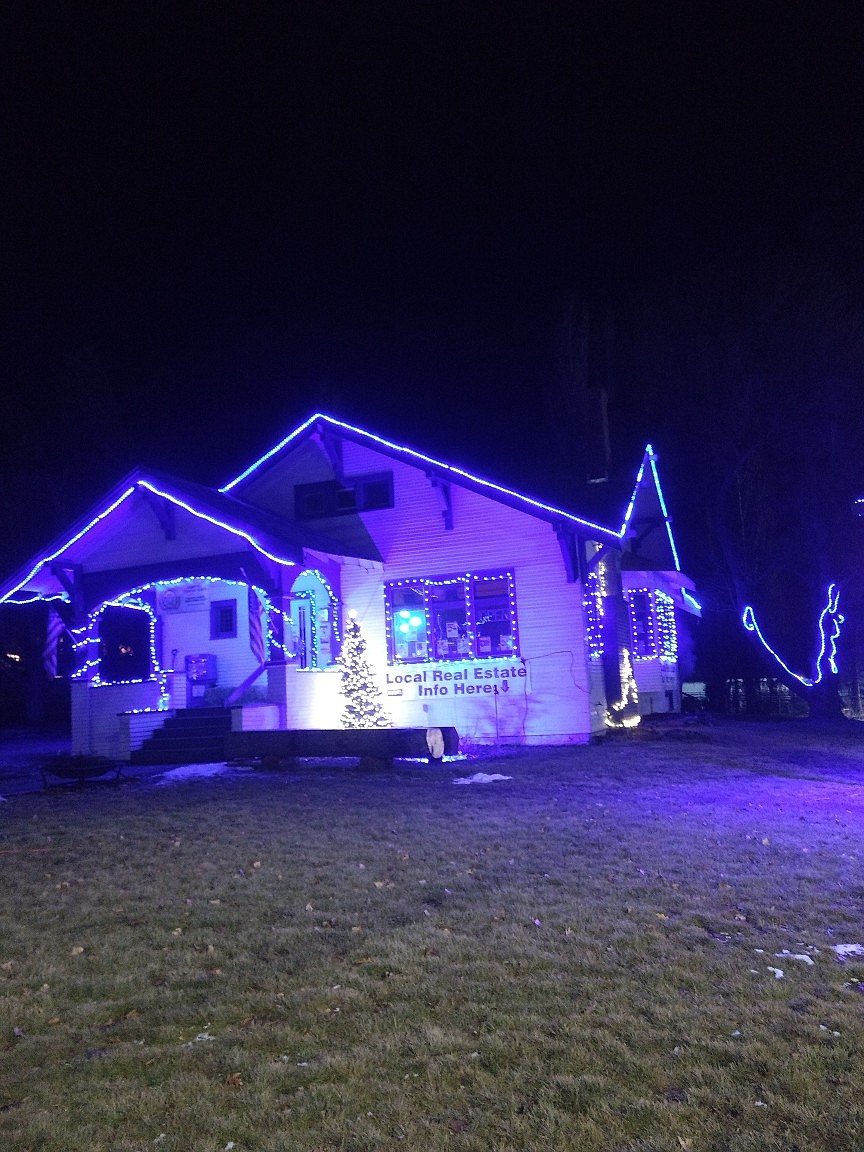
829	625
360	691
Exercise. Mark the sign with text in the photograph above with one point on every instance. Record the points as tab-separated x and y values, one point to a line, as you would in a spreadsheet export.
458	679
190	596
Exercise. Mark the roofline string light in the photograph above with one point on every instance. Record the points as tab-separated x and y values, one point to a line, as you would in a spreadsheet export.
256	544
651	457
827	639
48	559
403	450
688	598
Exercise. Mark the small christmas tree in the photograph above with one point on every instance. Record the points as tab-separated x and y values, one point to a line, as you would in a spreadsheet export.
362	695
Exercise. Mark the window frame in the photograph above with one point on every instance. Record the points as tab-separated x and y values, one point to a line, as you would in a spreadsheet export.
653	629
368	492
216	608
125	645
467	645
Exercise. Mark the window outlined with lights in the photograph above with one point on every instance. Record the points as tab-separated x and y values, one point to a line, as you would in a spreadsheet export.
653	631
464	616
124	645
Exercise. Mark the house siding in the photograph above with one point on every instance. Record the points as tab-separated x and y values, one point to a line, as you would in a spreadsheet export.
188	634
552	699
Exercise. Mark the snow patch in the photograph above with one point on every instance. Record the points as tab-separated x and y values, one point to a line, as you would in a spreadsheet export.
841	951
787	955
199	1039
481	778
191	772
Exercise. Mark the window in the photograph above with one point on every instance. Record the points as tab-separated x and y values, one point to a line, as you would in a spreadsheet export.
641	630
223	619
652	625
408	614
330	498
468	616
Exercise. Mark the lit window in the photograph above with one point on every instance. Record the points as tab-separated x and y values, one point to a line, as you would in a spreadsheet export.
642	632
470	616
410	641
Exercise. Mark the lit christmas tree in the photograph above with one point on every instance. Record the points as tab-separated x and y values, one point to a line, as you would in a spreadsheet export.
362	695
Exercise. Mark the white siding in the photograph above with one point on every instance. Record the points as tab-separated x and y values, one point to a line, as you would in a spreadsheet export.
189	634
132	535
99	724
553	702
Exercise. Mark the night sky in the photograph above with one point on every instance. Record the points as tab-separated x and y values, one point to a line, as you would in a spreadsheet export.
218	218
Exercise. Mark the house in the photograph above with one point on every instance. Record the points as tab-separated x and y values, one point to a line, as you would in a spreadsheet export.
483	608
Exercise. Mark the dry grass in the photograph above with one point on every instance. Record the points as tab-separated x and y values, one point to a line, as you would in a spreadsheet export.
330	959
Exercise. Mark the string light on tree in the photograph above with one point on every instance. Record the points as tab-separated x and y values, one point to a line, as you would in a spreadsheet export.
363	708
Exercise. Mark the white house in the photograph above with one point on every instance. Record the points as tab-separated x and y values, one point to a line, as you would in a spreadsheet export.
484	609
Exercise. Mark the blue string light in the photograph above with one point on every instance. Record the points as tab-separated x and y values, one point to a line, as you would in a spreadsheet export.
660	638
650	457
218	523
335	623
827	642
414	456
86	635
691	600
592	603
48	559
165	495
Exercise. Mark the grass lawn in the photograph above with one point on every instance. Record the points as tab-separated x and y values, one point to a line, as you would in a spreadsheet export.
633	946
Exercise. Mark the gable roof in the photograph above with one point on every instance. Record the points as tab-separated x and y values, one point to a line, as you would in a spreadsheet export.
328	426
647	525
645	534
279	541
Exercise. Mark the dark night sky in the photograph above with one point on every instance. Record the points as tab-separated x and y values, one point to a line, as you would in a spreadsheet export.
220	217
